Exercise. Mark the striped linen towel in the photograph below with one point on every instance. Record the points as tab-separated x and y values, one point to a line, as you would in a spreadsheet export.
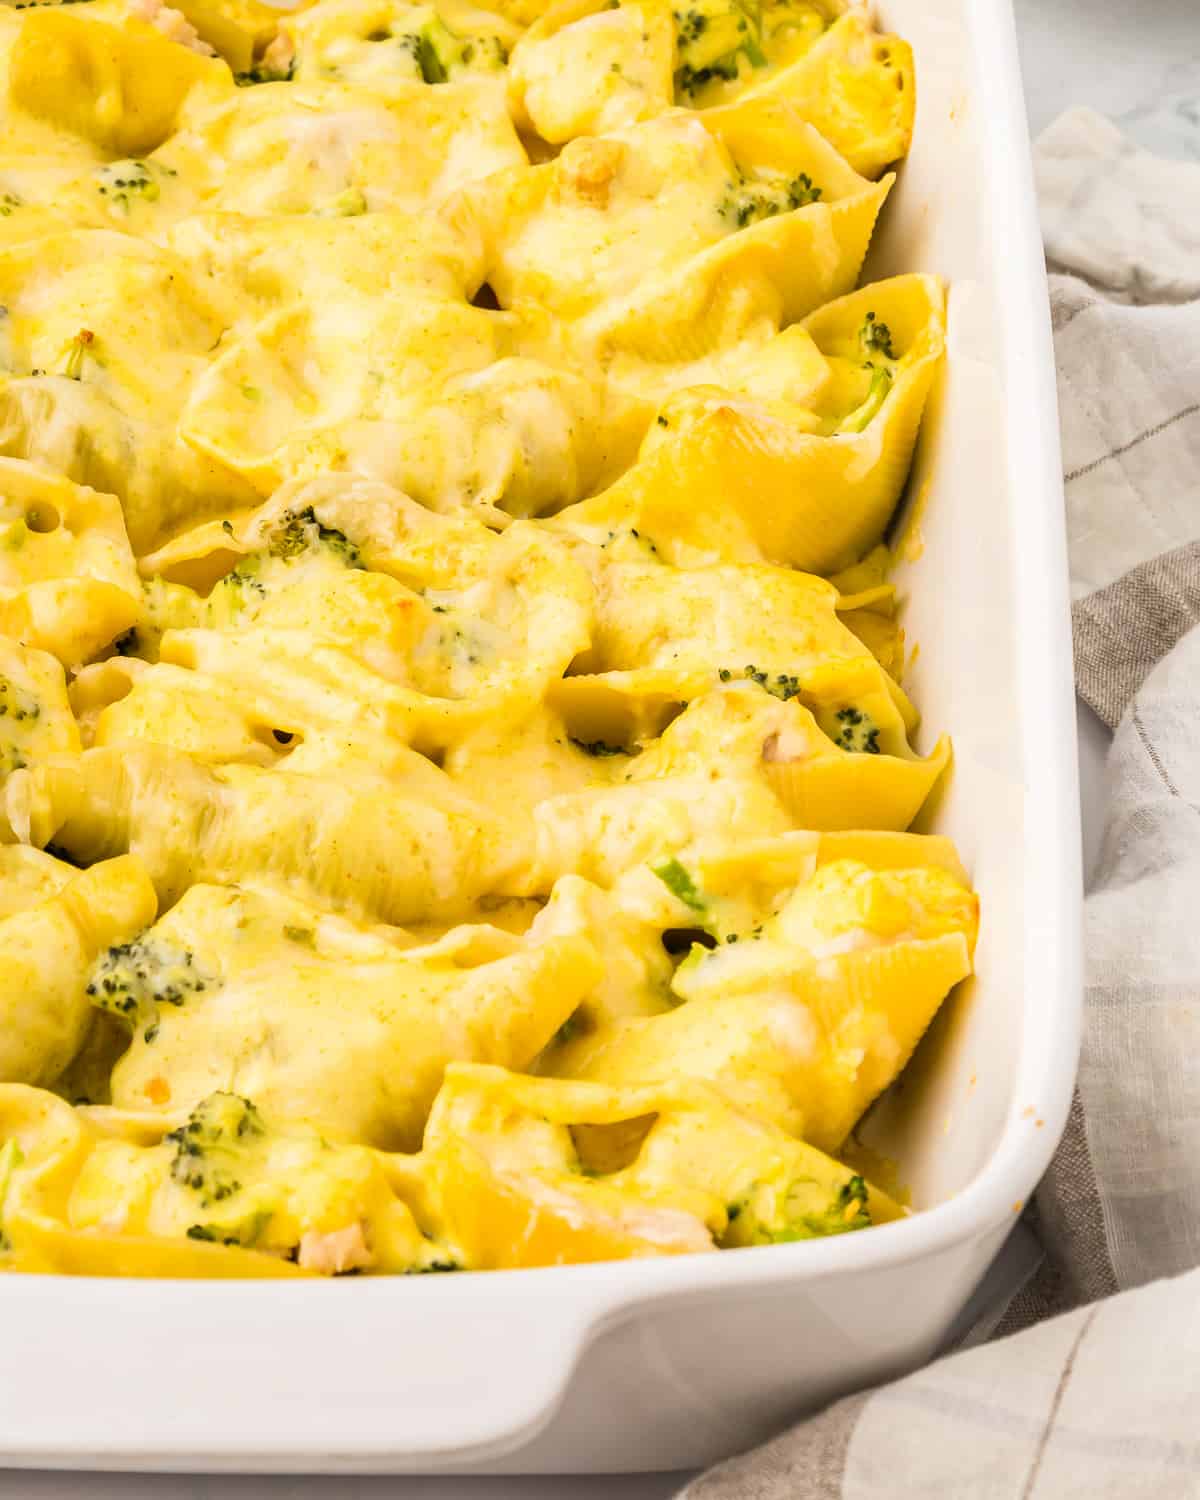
1099	1394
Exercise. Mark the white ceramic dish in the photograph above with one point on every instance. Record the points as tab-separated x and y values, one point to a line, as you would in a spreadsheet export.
674	1363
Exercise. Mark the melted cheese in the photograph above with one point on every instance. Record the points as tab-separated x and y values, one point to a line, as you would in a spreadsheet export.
453	768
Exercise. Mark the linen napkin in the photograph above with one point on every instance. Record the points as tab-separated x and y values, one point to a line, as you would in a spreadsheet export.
1102	1400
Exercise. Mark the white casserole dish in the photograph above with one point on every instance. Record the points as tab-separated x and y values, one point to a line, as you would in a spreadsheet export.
674	1363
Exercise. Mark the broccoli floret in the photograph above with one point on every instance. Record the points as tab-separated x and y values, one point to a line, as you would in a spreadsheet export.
16	705
619	536
690	81
782	685
711	38
165	606
881	384
876	338
429	63
125	182
749	202
263	73
680	884
808	1213
440	52
239	592
857	732
244	581
298	531
211	1235
209	1147
484	51
690	25
133	979
847	1212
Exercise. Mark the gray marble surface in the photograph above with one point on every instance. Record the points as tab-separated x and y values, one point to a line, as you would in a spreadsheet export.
1139	63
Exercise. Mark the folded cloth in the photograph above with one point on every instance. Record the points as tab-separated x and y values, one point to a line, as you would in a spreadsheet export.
1102	1400
1122	233
1121	1202
1099	1404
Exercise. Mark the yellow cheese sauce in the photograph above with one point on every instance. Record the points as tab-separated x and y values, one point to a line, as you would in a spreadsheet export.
454	773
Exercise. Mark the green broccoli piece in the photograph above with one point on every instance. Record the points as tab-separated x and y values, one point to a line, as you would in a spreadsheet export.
211	1235
16	705
750	202
783	685
881	384
261	73
133	979
690	26
876	338
165	606
483	51
680	884
847	1212
440	52
809	1214
242	586
429	61
689	81
125	182
857	732
300	531
711	38
211	1148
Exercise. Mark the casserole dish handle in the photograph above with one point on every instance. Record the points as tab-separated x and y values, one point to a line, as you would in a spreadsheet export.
463	1366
